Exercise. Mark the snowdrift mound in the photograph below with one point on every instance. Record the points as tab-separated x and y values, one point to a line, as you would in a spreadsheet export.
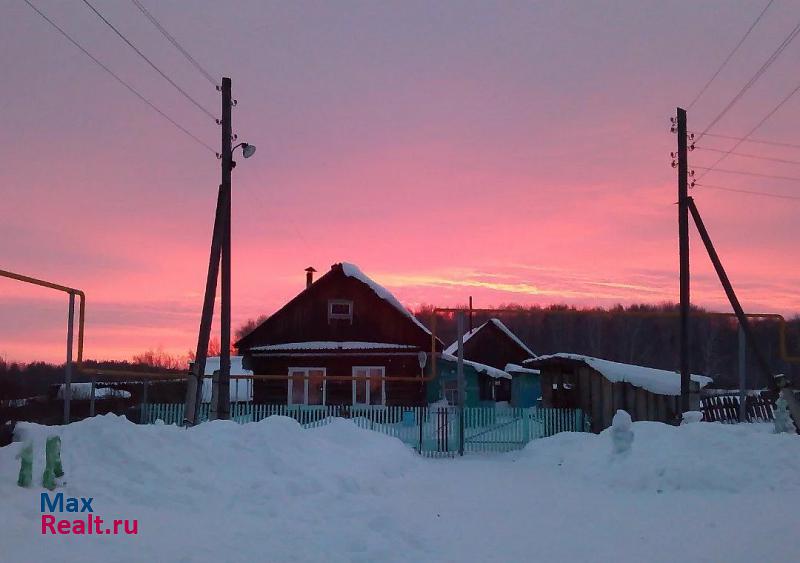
701	456
275	456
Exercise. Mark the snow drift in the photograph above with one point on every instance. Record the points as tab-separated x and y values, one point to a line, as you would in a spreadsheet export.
273	491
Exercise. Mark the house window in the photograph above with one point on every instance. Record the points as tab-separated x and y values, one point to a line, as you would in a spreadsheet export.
340	309
307	386
451	391
369	385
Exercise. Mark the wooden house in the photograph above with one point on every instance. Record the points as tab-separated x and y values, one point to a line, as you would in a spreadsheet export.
494	344
344	340
601	387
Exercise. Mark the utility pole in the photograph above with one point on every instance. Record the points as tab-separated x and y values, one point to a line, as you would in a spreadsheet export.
221	409
470	313
779	382
194	389
461	383
220	259
683	243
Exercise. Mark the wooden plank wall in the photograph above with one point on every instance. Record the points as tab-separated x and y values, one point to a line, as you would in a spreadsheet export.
601	399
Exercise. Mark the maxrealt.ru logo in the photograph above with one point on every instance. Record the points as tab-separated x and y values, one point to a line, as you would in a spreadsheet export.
88	523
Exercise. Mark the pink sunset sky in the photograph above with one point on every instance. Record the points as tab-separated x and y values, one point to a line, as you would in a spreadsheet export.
512	151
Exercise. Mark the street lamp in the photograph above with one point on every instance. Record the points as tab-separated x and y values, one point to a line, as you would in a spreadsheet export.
248	150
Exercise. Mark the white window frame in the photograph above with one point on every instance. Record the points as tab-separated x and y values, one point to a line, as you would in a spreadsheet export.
450	391
304	371
340	316
366	381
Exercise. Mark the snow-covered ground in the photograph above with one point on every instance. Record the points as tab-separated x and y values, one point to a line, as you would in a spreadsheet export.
271	491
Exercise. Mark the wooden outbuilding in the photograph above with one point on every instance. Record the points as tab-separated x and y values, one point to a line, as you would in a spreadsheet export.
476	375
493	344
526	387
601	387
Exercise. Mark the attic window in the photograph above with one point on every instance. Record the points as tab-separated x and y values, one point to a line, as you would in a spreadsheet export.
340	309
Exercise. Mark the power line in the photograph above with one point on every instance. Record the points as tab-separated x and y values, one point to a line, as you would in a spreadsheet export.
753	130
158	70
118	79
746	155
730	55
747	173
757	141
753	79
176	44
750	192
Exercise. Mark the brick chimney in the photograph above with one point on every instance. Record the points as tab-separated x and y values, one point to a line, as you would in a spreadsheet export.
309	276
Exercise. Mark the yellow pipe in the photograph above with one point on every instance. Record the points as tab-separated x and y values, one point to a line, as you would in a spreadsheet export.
57	287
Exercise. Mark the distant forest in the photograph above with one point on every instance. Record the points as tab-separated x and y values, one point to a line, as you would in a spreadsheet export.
639	334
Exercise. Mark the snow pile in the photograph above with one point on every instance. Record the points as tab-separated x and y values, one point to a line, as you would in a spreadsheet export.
331	345
701	457
515	368
659	381
621	433
691	417
270	485
273	491
83	392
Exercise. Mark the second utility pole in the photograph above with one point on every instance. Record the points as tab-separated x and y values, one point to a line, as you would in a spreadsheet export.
221	407
683	243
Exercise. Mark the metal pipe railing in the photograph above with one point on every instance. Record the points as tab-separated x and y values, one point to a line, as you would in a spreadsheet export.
72	292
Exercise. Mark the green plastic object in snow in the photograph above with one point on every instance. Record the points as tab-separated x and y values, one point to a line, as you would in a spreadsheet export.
26	466
53	468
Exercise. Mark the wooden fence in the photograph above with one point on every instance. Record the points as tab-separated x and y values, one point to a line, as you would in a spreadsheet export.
433	431
725	408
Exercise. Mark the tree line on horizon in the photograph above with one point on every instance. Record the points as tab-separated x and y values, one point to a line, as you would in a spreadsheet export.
641	334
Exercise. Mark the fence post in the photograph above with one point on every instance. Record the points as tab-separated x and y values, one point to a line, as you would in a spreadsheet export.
91	396
143	416
420	414
526	426
742	376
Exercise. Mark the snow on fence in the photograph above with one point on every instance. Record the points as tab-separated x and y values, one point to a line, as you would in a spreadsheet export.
432	431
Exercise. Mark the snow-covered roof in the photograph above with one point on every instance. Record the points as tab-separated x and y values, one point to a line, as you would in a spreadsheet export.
519	369
212	365
332	345
353	271
482	368
658	381
453	348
